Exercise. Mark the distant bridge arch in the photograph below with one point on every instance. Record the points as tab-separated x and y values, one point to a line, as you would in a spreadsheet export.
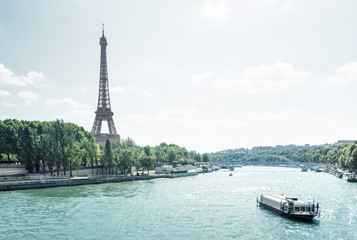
235	162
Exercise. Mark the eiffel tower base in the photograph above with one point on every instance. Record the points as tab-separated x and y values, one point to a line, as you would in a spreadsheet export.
101	138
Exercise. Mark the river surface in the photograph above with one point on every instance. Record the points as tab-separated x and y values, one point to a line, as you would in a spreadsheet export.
207	206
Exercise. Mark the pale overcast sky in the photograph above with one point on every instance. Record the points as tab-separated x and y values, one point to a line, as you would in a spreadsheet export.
205	74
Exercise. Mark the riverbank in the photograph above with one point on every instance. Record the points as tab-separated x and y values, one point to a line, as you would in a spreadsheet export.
22	184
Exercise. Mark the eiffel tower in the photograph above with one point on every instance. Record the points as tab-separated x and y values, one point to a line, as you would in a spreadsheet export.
104	112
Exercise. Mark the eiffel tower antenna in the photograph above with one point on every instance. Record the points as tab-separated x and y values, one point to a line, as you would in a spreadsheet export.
104	112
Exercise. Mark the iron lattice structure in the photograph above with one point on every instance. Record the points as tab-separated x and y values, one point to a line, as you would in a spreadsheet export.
104	112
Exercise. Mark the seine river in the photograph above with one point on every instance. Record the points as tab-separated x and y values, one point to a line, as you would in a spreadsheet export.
207	206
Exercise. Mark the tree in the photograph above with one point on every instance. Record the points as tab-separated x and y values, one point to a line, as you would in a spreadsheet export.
171	156
331	156
63	139
45	146
8	139
125	160
3	142
147	160
351	156
74	157
56	136
160	154
198	157
206	157
92	150
107	157
137	157
97	157
39	151
27	148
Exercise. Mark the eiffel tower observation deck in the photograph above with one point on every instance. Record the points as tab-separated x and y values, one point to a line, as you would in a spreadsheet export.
104	112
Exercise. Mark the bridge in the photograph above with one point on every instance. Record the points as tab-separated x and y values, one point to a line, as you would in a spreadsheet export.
237	162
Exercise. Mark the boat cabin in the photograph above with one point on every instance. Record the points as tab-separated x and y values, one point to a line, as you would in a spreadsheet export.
289	206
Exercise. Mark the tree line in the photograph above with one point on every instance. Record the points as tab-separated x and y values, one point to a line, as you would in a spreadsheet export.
56	146
120	156
345	155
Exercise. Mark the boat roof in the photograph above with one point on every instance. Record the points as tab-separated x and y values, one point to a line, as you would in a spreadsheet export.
285	198
275	196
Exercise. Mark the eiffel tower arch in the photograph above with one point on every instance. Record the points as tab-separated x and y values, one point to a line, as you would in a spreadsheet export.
104	112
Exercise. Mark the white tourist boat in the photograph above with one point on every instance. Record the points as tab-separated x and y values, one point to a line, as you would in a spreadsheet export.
181	173
289	206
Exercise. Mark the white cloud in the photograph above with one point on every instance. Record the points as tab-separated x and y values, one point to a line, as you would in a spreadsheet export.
83	116
272	78
117	89
218	10
71	111
261	7
285	4
83	89
202	79
7	104
277	77
8	77
64	101
34	77
148	92
29	97
138	118
177	114
4	93
280	117
344	75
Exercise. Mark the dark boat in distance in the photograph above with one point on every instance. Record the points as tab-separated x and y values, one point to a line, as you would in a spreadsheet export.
288	206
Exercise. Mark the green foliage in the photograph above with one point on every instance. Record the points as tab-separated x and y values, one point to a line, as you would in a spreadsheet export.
147	159
59	146
206	157
107	157
297	154
26	144
127	154
8	138
229	155
347	155
46	144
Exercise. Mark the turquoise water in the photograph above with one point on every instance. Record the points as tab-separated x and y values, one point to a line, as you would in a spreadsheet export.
207	206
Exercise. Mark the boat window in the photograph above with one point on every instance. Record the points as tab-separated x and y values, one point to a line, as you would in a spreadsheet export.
308	209
302	209
297	209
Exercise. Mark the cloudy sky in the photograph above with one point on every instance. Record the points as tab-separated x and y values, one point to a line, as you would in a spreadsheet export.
205	74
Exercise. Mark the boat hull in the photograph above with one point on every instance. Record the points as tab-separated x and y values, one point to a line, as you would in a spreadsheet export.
304	217
351	179
183	174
